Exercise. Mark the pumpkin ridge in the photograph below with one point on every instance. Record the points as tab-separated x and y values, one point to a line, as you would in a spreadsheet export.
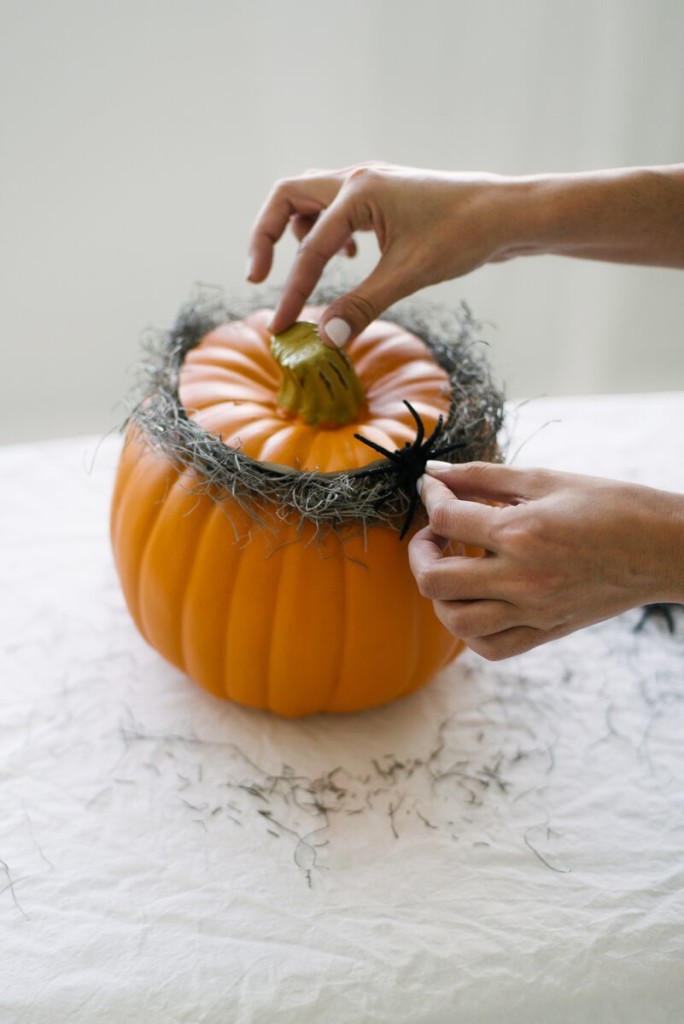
277	444
401	437
214	421
141	565
415	658
225	393
124	473
304	449
398	380
222	426
135	600
270	670
305	642
343	628
386	389
407	351
195	565
145	557
253	562
230	362
224	674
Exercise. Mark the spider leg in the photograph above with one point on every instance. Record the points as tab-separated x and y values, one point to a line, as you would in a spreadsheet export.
378	469
446	448
377	447
436	433
406	525
420	432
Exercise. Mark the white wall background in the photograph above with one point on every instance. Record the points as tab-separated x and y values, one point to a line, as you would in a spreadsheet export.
140	138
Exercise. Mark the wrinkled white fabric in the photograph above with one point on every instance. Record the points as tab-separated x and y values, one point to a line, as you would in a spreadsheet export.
506	845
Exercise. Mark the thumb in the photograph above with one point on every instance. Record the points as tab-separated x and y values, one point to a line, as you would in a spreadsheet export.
491	481
350	314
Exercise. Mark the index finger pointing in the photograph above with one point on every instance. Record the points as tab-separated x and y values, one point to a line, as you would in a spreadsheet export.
467	522
306	196
329	234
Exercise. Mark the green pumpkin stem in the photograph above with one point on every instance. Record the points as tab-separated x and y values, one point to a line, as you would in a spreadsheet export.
319	383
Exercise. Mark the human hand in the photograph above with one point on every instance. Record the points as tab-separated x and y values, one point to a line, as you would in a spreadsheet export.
433	226
430	227
562	551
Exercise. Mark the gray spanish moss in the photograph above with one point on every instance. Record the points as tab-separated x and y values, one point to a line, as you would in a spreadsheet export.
264	489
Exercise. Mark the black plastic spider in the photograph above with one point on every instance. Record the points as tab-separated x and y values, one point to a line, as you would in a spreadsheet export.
408	463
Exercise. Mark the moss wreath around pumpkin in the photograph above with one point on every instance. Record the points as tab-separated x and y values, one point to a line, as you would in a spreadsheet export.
380	493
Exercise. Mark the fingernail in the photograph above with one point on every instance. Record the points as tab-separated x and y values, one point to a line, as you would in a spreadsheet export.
338	331
249	267
433	466
419	484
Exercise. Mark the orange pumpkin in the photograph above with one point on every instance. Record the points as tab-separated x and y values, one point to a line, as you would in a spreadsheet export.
270	610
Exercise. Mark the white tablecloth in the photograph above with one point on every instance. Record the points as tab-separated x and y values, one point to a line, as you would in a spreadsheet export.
506	845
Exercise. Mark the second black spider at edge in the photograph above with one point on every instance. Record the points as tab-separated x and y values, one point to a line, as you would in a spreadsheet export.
408	463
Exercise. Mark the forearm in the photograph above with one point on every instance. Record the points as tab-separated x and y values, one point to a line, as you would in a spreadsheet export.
632	215
662	535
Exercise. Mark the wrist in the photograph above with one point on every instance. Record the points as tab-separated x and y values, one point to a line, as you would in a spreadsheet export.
576	214
545	215
525	210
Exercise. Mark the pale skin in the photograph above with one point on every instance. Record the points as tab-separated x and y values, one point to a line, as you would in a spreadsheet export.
562	551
